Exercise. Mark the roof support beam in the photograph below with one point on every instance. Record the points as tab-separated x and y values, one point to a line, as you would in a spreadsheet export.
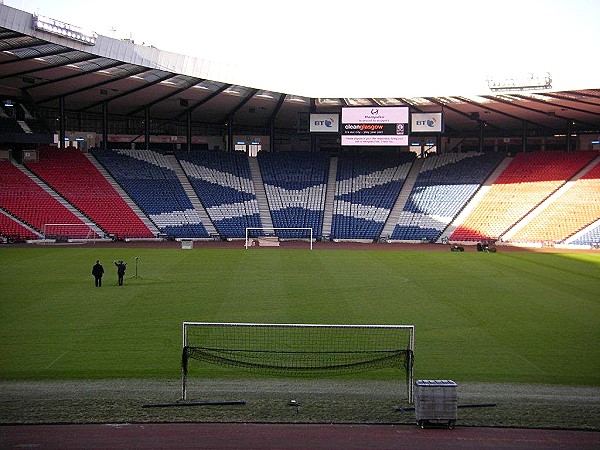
543	102
147	127
62	125
40	55
188	130
248	97
11	35
497	111
75	75
105	126
202	102
569	99
528	108
272	120
165	97
419	110
437	102
50	66
131	91
96	85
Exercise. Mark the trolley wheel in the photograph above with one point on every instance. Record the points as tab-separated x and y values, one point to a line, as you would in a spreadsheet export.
451	424
421	423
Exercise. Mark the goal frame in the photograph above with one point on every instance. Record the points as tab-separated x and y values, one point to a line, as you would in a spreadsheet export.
248	229
410	349
89	225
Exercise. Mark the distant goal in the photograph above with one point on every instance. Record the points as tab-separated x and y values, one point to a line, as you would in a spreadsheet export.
300	350
63	232
273	237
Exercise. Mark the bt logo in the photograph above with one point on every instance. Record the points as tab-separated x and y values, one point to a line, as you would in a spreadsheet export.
429	122
327	122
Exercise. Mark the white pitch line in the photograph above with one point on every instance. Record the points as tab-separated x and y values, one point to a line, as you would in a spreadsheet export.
56	359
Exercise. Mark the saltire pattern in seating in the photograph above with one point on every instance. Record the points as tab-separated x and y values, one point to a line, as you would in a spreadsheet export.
149	179
224	185
366	189
295	184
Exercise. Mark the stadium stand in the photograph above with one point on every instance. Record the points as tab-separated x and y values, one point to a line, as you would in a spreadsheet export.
295	184
525	183
149	179
367	186
575	209
534	200
445	183
590	236
223	184
10	126
22	198
73	176
13	231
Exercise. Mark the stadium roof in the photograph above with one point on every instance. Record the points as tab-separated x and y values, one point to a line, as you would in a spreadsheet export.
43	67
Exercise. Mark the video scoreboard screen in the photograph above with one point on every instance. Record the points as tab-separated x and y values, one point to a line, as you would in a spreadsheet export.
377	126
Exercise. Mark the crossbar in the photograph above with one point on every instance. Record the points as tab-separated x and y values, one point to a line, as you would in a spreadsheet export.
186	344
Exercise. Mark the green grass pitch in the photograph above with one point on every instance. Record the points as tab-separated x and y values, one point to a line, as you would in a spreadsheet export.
504	317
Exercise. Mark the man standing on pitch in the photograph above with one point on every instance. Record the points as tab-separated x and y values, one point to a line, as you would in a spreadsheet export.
98	271
121	266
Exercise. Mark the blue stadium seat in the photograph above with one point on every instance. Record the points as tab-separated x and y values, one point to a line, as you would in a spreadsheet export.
366	189
443	187
295	184
224	185
152	184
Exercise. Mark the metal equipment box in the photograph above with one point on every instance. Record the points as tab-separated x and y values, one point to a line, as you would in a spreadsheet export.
436	403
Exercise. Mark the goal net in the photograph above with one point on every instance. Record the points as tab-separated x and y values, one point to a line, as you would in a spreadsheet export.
65	231
300	350
272	237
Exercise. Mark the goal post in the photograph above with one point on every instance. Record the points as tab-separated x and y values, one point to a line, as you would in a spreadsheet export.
271	236
65	231
300	350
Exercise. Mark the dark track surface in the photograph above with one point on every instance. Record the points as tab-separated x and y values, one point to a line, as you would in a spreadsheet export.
281	436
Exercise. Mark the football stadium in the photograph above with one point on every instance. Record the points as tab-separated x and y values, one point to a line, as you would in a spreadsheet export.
193	255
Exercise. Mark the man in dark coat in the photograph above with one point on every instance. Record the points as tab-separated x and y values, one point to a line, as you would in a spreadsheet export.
121	266
98	271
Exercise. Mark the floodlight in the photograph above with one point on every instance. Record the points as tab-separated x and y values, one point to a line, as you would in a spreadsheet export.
520	82
63	29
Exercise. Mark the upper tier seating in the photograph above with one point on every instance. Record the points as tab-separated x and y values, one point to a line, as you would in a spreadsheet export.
524	184
151	182
295	184
70	173
366	189
223	184
445	183
572	211
21	197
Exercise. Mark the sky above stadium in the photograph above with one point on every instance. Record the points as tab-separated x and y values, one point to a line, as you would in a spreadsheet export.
348	48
